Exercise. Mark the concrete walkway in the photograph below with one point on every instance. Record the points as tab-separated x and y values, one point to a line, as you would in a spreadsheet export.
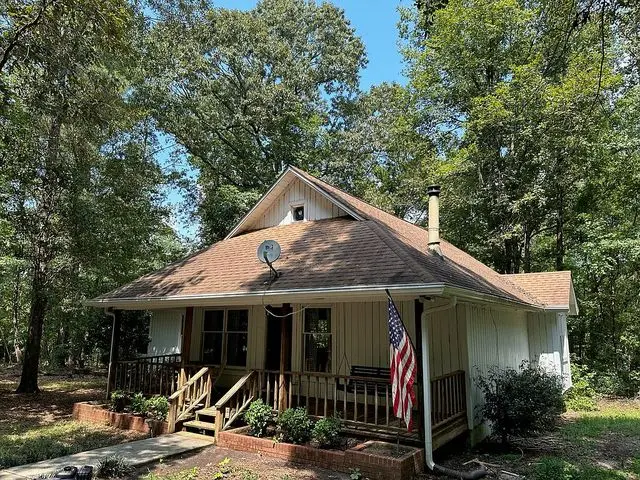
136	453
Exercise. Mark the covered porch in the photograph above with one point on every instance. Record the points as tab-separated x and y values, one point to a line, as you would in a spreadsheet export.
330	358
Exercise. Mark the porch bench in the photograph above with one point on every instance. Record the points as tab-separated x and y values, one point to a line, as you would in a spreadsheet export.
379	376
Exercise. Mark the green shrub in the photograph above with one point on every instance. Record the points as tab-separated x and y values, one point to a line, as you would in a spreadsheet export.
118	401
114	466
138	404
326	432
258	416
157	407
294	425
521	402
581	397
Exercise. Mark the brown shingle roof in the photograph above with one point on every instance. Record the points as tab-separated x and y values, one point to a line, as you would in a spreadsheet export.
551	289
380	250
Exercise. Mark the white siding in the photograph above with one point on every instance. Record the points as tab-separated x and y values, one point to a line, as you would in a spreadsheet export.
446	331
495	338
316	207
548	344
165	332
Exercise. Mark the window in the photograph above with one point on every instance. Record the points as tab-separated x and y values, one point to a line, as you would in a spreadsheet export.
298	213
229	327
237	328
212	333
317	340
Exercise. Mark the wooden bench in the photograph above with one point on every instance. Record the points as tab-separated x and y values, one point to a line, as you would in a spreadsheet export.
375	376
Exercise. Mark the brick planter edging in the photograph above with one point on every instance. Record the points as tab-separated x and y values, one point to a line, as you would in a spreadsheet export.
374	466
88	412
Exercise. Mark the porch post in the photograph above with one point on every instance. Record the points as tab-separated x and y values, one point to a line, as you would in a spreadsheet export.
113	351
284	349
185	348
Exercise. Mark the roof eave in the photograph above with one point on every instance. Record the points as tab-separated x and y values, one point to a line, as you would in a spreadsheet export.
484	298
358	292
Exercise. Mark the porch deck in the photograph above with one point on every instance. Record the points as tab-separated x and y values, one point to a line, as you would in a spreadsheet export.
364	403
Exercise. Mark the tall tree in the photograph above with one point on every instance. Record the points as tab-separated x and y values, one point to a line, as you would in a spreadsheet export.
65	83
247	93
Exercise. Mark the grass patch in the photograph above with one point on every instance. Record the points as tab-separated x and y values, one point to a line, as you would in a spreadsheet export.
612	418
556	468
55	440
189	474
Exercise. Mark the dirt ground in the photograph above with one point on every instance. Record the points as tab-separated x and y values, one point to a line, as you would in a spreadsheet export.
240	466
39	426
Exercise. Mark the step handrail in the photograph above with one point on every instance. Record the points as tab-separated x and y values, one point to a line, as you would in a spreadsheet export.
243	392
203	371
188	396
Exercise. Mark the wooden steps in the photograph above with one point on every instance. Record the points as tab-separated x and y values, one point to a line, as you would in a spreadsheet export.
204	422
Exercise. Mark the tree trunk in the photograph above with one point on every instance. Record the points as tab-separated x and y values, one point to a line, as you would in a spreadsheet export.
39	301
560	232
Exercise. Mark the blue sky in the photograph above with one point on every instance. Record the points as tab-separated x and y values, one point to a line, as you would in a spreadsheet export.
375	22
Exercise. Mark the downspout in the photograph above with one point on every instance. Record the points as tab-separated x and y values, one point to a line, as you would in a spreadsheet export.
426	394
111	313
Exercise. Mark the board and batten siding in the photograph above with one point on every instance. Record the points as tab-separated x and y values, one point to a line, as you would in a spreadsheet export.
495	338
446	341
316	207
165	332
549	345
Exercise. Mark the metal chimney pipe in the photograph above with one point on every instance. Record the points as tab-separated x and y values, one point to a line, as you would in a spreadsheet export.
434	218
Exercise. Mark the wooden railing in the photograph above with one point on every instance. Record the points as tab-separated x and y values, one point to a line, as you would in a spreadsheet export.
359	401
448	398
157	375
194	391
236	400
362	402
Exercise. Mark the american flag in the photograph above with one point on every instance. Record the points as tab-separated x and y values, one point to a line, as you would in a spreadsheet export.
403	367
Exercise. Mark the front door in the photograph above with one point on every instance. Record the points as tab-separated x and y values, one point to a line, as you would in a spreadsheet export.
276	323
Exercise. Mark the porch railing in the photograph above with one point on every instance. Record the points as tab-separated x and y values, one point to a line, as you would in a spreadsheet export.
362	402
157	375
448	399
194	391
236	400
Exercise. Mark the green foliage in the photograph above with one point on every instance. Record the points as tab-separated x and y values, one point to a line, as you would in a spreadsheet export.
326	432
157	407
581	397
118	401
138	404
294	426
355	474
114	466
258	416
521	402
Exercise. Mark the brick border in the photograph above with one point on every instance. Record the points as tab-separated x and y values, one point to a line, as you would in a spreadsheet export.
374	466
95	413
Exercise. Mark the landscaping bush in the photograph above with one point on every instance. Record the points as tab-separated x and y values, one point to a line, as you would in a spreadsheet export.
138	404
114	466
581	397
521	402
258	416
326	432
118	401
157	407
294	426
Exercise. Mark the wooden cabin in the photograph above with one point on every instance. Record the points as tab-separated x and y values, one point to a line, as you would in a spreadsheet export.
226	331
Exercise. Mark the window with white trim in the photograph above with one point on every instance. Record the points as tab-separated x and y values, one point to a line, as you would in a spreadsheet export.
317	340
225	335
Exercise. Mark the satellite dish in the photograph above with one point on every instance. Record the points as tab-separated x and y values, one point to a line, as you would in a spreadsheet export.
269	251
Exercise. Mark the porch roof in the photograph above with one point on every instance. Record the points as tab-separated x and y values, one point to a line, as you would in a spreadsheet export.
367	250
